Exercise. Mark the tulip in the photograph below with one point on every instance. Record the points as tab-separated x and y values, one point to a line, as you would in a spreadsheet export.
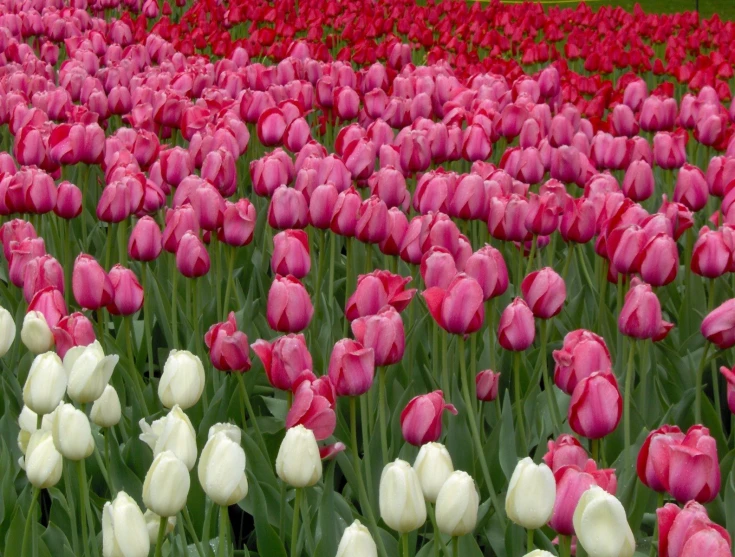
624	245
582	353
289	307
89	371
507	218
345	213
659	260
174	433
228	347
288	208
689	532
421	419
596	406
457	505
351	368
270	172
375	290
313	405
458	309
41	272
638	183
488	268
182	381
42	462
50	303
371	221
35	333
73	330
298	462
401	499
321	205
71	432
669	149
124	530
106	410
545	292
531	494
641	316
221	468
176	164
238	223
729	376
516	329
487	383
127	292
7	331
438	268
711	256
166	485
192	258
90	284
291	254
153	524
284	359
21	254
691	188
565	451
601	525
356	541
46	383
433	466
383	333
718	326
145	243
720	172
578	220
389	185
271	126
539	553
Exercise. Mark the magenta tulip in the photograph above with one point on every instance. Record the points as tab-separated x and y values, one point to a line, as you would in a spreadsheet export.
421	419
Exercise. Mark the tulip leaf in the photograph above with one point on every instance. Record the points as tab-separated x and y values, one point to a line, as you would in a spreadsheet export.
327	534
268	542
507	450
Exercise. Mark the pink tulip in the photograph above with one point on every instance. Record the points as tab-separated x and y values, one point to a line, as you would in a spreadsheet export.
729	375
297	135
720	173
421	419
433	191
397	225
345	214
638	183
566	450
438	268
691	188
582	353
578	220
238	223
689	469
359	158
228	347
68	201
641	316
16	230
271	126
624	244
289	308
543	214
596	406
346	102
711	256
313	407
284	359
384	333
128	293
351	368
179	221
390	186
371	221
658	113
516	328
288	209
476	145
321	205
566	164
145	243
507	218
271	171
654	454
176	165
72	330
486	385
50	302
689	532
718	326
40	272
414	152
90	284
545	292
635	93
458	309
376	290
468	198
659	260
623	121
291	254
219	169
669	149
680	216
488	268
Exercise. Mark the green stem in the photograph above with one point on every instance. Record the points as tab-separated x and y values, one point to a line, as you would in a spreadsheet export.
446	385
101	326
224	527
122	242
29	521
251	412
531	255
295	524
366	445
108	246
72	509
620	293
654	538
455	546
208	505
348	281
175	309
82	477
548	384
162	523
595	449
519	399
230	271
134	376
217	248
565	546
192	532
529	540
438	543
568	261
332	257
698	387
629	375
404	544
147	321
383	413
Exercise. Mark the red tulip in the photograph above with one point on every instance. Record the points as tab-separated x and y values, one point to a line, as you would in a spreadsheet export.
596	406
72	330
582	353
283	359
565	451
376	290
289	308
228	347
516	328
458	309
90	284
544	292
421	419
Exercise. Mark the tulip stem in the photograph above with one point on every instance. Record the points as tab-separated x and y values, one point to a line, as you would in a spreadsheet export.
472	419
529	540
519	399
30	523
162	523
332	255
192	532
224	528
72	510
698	387
295	523
82	476
446	385
101	326
565	546
404	543
439	546
548	384
175	309
249	407
659	504
382	413
531	254
629	374
348	281
455	547
147	321
568	261
366	445
595	449
135	378
230	271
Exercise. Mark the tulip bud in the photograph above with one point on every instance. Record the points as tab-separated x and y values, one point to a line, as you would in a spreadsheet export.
153	524
531	494
596	406
222	467
487	383
421	419
124	530
351	368
106	409
228	347
71	432
128	293
401	499
284	359
291	254
43	463
458	309
192	258
689	532
729	376
357	542
545	292
174	433
539	553
298	462
384	333
516	328
7	331
583	352
44	388
238	223
691	188
601	525
91	285
166	485
565	451
145	243
289	308
711	255
641	315
182	381
36	334
313	405
433	466
89	371
457	505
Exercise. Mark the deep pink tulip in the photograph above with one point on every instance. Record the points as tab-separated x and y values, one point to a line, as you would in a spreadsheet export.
689	468
313	407
219	169
414	152
384	333
21	254
468	198
421	419
228	347
658	113
115	204
288	209
691	188
270	172
68	201
433	191
41	272
476	145
192	258
654	454
641	316
145	243
488	268
624	245
486	384
507	218
638	183
321	205
458	309
390	186
543	214
680	216
729	375
289	308
128	293
566	164
623	121
582	353
561	131
15	230
73	330
438	268
291	254
238	223
297	135
659	260
669	149
689	532
711	256
516	328
397	225
179	221
720	173
209	206
346	102
359	158
50	302
566	450
578	220
351	368
635	93
376	290
345	214
271	126
284	359
718	326
545	292
90	284
371	221
596	406
176	164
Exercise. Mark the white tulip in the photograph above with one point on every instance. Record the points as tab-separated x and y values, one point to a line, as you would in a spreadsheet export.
124	532
357	542
28	423
232	431
35	333
106	411
298	462
71	432
7	331
222	469
457	505
153	523
89	371
182	381
539	553
433	466
531	494
166	485
402	505
174	433
42	463
601	525
46	383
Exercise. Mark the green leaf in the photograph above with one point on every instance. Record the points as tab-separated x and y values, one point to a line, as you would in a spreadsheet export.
507	449
269	543
328	540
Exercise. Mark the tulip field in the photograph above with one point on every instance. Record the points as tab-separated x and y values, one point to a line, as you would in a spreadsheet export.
366	278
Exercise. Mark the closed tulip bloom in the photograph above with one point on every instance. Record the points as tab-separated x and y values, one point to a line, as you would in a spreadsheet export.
68	201
182	381
356	541
106	411
21	254
128	293
89	371
42	462
688	532
375	290
711	256
389	185
641	315
221	468
166	485
457	505
321	205
433	466
718	326
371	221
174	433
566	164
228	347
582	353
488	268
7	331
192	258
271	126
691	188
41	272
421	419
623	121
351	368
720	172
458	309
659	260
71	432
288	209
402	505
654	454
35	333
73	330
359	158
50	303
669	149
291	254
690	468
539	553
596	406
153	523
624	245
384	333
531	494
544	292
487	383
345	214
543	214
507	218
145	243
238	223
313	405
578	220
438	267
284	359
176	164
729	376
516	328
601	525
124	531
565	451
91	285
46	383
289	308
638	183
397	225
298	462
